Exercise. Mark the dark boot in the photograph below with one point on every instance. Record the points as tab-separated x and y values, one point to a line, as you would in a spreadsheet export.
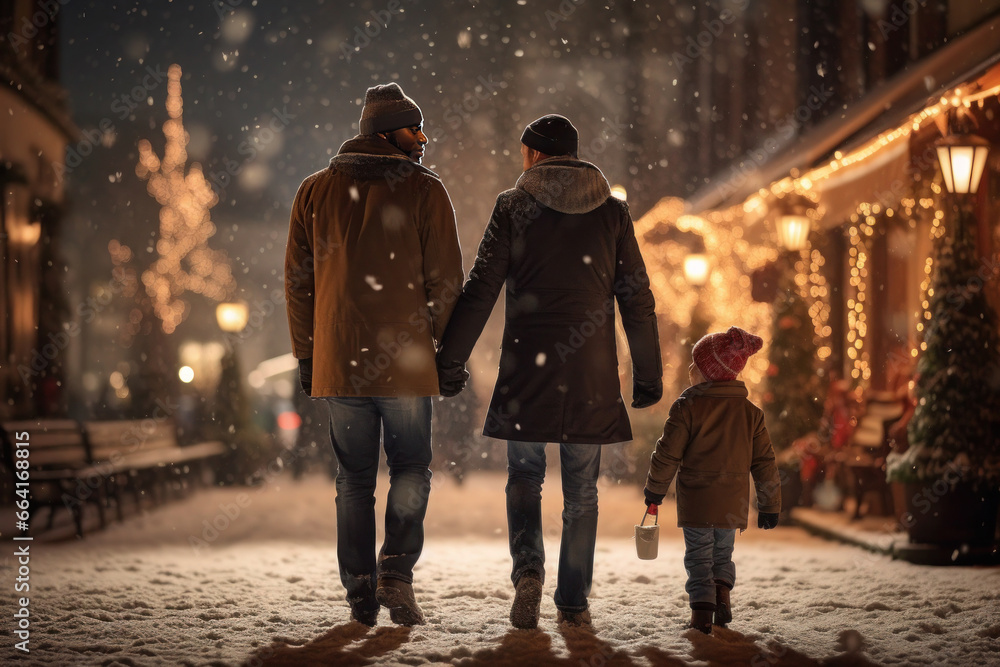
368	617
574	618
701	617
527	601
397	595
723	608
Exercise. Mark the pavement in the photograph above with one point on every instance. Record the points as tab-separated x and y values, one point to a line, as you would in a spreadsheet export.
887	536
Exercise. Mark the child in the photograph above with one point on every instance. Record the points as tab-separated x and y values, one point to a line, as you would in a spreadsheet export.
713	437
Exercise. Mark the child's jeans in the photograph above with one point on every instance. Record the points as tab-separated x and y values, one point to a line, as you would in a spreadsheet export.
708	556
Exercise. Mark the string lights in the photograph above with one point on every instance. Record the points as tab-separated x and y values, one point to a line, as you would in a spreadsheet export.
735	257
185	262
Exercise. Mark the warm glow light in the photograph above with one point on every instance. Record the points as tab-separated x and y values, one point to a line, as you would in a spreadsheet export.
186	374
793	231
618	192
696	269
27	234
232	317
289	420
962	159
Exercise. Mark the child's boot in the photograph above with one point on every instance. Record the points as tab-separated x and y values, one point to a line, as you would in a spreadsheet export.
701	617
723	608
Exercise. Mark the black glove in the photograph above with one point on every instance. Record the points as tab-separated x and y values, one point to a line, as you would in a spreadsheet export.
652	498
306	375
646	393
452	379
767	520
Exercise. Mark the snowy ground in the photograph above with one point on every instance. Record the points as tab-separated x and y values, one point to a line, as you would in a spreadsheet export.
265	591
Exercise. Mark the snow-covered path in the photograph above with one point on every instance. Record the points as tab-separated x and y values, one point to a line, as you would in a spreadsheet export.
265	590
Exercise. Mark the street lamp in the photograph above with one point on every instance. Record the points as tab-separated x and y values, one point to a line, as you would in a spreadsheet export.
696	269
963	159
793	231
232	316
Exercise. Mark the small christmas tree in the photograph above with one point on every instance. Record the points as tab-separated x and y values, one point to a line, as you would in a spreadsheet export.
954	427
793	401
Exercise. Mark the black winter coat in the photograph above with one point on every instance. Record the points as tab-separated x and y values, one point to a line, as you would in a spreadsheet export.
567	251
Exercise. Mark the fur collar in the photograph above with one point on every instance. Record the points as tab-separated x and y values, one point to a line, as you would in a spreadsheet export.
370	157
567	185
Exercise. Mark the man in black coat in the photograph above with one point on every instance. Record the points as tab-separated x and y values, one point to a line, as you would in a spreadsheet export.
567	251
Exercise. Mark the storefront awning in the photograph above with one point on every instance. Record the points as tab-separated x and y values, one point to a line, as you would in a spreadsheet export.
880	179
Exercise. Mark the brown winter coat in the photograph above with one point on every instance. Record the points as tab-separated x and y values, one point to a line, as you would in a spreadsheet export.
566	251
713	439
372	272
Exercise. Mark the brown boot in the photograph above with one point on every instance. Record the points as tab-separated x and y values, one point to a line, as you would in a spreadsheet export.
527	600
397	595
580	619
701	619
723	608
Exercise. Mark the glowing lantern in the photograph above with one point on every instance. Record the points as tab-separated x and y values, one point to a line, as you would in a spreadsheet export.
793	231
696	269
963	159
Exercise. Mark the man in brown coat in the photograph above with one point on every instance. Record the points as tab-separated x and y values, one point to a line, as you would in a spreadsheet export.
714	441
372	272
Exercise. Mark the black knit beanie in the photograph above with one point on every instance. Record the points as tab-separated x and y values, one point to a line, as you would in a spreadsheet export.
387	108
552	135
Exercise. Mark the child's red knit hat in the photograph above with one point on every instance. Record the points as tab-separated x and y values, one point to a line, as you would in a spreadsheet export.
721	356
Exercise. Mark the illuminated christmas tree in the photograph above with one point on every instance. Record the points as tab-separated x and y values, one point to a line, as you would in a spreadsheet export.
954	430
185	262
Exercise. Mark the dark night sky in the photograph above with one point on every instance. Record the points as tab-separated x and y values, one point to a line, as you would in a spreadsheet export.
480	74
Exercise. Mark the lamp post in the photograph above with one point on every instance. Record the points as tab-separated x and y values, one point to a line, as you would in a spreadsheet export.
962	158
232	318
232	416
697	271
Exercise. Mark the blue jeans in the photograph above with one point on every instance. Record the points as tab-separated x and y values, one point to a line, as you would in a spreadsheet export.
405	426
708	557
581	465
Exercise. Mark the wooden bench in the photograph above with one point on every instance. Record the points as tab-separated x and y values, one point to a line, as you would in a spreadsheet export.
71	464
865	459
60	473
146	459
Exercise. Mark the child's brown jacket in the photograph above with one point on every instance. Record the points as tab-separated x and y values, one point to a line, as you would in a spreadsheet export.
716	438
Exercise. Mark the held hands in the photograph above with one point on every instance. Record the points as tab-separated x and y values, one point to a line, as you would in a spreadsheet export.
306	375
452	379
767	520
646	393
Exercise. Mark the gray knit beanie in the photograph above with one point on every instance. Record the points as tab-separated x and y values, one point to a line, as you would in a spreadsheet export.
387	108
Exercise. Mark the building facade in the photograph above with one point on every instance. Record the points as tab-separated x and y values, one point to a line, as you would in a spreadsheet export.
33	138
